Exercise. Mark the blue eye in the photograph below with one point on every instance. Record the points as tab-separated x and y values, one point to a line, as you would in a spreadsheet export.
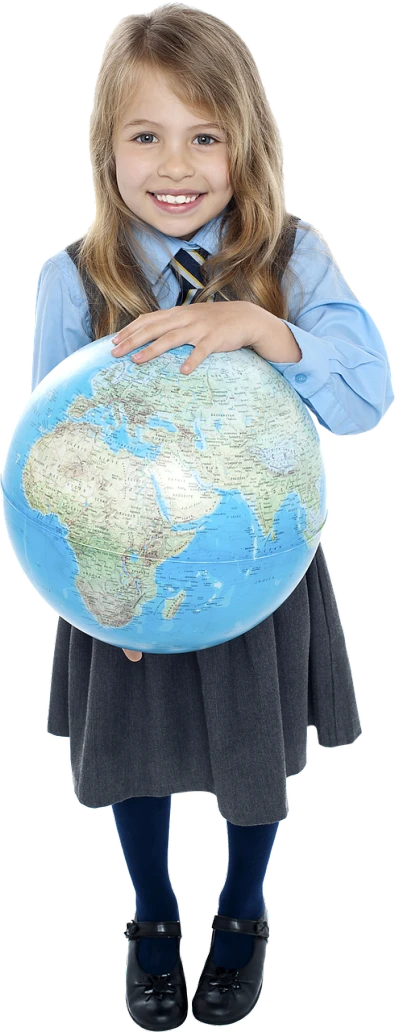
200	136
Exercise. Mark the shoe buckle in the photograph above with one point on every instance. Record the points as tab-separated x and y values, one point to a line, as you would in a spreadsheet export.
132	928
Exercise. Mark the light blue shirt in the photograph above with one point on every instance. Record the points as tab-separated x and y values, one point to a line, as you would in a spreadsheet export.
343	376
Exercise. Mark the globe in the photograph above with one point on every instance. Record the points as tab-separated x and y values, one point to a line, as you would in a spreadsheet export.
164	512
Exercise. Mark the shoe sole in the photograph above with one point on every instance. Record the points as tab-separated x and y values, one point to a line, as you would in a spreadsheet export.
206	1021
166	1028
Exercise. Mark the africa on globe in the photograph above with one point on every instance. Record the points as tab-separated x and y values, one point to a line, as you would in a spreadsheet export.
160	512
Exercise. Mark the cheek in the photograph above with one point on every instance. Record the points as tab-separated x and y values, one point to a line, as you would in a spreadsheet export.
120	172
128	175
127	167
218	172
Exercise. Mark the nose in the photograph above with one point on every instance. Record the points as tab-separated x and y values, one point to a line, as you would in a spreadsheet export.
176	163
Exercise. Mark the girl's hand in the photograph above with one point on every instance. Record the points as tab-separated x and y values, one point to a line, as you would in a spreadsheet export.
219	326
133	656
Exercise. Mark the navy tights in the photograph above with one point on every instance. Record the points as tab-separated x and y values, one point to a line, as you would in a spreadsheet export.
143	828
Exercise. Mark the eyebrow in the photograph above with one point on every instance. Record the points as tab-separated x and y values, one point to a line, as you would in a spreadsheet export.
146	121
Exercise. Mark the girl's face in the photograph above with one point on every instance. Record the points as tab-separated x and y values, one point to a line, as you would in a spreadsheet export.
178	153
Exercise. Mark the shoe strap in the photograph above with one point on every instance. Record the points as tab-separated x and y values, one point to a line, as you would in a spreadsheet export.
154	929
258	928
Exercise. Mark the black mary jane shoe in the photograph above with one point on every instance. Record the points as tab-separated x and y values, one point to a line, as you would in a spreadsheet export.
155	1001
224	994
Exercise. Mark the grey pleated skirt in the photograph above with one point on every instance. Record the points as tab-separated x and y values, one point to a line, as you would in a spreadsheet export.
231	719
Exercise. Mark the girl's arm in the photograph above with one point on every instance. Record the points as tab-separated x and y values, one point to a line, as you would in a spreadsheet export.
62	316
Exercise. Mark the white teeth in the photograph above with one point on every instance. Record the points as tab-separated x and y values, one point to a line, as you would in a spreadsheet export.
180	199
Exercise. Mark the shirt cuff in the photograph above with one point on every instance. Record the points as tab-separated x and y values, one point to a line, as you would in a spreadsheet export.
312	371
311	378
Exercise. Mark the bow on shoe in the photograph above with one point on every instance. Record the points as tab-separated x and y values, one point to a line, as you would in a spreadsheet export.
227	979
157	986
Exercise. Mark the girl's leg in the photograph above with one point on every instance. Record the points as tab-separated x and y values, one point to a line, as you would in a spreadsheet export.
241	896
143	828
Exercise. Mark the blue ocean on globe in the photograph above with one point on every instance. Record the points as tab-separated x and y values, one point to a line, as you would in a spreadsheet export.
161	512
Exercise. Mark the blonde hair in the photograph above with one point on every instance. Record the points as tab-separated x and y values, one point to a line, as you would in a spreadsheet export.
210	69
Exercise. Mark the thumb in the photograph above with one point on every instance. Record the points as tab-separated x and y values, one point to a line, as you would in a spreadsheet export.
133	656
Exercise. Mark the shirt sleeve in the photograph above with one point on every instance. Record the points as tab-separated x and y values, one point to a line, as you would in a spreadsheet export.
62	316
344	374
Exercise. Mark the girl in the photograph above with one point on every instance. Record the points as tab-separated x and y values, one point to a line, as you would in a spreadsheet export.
179	109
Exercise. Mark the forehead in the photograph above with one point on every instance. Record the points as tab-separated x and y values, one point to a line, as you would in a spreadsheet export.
150	82
149	101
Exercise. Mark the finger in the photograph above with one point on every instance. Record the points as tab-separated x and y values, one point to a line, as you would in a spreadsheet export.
168	341
127	330
142	324
131	337
197	356
133	656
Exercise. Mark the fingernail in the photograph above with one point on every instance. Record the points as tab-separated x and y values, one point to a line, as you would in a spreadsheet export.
115	351
116	338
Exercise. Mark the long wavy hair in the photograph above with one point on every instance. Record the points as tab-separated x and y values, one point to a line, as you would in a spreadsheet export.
210	69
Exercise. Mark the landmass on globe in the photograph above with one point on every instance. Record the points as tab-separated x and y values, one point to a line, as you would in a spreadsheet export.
221	430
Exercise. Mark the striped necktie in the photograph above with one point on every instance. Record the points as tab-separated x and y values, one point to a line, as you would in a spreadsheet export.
187	264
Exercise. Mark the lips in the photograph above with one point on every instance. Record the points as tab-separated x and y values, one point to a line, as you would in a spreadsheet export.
164	194
176	207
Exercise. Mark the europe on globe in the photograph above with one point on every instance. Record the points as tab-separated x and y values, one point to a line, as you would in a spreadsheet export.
161	512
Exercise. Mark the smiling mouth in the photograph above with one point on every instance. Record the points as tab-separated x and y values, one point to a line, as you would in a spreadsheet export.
175	206
175	195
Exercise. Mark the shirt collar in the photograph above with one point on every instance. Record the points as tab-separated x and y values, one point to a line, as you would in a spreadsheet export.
160	248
